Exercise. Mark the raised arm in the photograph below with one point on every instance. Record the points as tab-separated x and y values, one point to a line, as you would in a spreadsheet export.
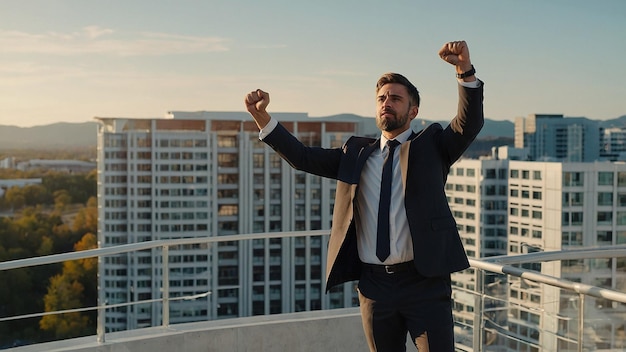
256	104
457	54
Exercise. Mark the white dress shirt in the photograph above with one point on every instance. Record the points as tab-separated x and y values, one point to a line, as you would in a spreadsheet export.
366	210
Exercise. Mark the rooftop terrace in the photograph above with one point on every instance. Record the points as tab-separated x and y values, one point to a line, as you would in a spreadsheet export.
340	329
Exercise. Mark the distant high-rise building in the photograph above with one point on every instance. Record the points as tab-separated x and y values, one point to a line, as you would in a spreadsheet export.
548	206
198	174
554	138
613	144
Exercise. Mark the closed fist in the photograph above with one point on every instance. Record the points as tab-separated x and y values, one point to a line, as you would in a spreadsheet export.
257	101
456	53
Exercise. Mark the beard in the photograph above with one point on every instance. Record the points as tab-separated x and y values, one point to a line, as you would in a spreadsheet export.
392	123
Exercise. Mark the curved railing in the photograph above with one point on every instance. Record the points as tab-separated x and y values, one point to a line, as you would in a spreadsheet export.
505	265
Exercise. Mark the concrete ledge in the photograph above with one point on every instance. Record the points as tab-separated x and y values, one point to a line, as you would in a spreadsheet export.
327	330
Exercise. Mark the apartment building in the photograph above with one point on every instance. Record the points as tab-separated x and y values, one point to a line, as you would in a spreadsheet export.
198	174
548	206
477	191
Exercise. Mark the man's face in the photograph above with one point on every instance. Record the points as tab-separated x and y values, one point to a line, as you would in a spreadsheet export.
393	108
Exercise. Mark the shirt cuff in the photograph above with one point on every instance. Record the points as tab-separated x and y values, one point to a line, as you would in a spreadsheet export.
472	84
268	129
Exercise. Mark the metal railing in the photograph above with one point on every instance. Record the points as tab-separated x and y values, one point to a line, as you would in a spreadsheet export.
495	265
504	265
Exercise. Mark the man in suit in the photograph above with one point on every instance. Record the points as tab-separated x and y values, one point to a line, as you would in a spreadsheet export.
392	227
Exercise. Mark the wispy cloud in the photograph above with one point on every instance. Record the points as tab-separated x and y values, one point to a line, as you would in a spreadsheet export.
105	41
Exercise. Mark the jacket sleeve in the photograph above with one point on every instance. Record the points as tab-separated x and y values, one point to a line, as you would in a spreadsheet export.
465	126
315	160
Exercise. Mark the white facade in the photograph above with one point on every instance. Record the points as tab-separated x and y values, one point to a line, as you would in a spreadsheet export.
207	174
551	206
477	192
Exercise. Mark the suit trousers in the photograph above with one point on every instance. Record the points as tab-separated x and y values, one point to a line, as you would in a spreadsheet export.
393	304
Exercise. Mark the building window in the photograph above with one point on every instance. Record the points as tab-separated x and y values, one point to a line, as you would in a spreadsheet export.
275	160
514	173
605	237
621	218
258	160
572	198
572	238
621	237
574	218
227	160
605	198
573	179
605	178
621	199
227	141
525	174
621	179
536	175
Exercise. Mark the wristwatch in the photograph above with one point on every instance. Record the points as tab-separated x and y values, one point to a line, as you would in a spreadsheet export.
469	73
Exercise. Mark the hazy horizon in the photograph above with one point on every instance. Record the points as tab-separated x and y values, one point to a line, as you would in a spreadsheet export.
70	60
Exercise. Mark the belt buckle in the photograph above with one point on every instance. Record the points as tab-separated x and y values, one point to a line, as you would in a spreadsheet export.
389	269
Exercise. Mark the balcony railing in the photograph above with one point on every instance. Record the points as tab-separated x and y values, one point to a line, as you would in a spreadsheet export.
510	309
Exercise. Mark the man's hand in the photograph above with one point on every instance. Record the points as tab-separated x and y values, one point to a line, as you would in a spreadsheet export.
256	104
257	101
457	54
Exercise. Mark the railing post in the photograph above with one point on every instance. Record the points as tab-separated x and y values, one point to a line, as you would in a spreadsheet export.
581	322
166	287
479	305
100	322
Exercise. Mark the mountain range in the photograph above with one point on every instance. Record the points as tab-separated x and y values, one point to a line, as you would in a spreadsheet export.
65	134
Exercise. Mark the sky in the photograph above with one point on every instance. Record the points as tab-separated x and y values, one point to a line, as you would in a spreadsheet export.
73	60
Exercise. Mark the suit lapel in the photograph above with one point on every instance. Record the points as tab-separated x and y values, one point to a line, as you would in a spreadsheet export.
362	158
404	159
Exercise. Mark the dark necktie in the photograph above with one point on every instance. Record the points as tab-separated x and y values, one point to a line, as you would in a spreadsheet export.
382	240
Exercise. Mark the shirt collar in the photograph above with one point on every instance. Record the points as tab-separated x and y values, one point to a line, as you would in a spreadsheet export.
402	137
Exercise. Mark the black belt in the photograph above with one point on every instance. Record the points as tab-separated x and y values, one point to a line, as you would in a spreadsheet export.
389	269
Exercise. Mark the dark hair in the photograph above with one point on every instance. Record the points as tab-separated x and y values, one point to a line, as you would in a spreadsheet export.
391	77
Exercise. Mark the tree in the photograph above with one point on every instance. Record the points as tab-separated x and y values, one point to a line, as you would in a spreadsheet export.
15	198
62	199
74	288
86	219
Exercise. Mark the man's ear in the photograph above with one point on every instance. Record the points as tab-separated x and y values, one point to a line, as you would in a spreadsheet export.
413	111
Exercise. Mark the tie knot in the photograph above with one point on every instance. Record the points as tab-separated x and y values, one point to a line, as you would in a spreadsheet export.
392	144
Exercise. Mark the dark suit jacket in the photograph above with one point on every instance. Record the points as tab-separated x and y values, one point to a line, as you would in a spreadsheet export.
425	161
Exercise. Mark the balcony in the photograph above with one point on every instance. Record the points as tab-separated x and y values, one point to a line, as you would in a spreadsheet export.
509	308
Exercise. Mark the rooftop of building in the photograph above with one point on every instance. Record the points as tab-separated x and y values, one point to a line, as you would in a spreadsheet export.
340	329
